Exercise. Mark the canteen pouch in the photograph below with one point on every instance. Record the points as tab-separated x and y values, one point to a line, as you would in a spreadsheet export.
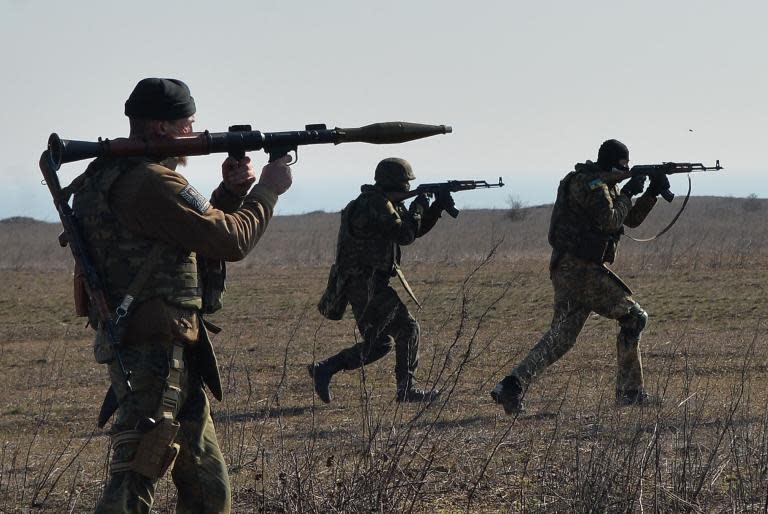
157	450
334	302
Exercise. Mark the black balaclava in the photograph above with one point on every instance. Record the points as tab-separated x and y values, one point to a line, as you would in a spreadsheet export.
610	153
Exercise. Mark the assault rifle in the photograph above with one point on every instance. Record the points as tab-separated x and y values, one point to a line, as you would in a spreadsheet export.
73	238
670	168
238	140
444	189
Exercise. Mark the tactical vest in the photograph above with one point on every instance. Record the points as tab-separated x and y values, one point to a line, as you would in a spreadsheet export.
118	253
355	254
572	230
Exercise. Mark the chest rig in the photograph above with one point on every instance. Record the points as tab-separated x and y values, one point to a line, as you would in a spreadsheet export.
573	230
120	255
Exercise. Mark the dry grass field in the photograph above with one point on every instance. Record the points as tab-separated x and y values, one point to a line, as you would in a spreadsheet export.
483	282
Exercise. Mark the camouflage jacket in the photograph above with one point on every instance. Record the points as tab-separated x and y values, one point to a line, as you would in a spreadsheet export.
590	213
127	205
373	229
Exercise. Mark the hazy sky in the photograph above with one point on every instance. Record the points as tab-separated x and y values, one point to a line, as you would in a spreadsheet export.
530	87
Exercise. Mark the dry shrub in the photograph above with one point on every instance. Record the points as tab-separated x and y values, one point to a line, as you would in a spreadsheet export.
483	283
516	209
752	203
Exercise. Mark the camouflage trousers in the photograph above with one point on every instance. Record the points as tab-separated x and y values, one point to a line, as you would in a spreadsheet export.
199	472
580	289
384	322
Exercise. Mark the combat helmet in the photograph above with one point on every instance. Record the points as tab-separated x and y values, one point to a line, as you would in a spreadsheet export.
394	173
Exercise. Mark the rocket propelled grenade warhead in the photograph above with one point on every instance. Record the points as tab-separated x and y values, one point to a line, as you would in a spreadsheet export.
238	140
391	132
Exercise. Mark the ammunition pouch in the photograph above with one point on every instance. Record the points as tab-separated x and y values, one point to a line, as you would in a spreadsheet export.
594	246
213	276
334	301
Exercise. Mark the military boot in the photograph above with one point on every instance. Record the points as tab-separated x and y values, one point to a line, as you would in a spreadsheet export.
509	393
321	373
630	398
408	393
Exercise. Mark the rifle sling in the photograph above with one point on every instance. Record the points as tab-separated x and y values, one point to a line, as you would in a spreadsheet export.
140	280
671	223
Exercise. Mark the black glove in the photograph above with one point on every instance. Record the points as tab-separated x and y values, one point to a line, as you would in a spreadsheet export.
659	184
634	186
419	205
444	200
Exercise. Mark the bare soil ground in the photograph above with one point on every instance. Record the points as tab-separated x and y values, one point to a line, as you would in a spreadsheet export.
705	351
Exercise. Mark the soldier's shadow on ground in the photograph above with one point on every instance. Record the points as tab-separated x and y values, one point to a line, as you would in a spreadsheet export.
272	412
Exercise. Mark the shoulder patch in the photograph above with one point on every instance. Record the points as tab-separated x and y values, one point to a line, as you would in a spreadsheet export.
595	184
198	202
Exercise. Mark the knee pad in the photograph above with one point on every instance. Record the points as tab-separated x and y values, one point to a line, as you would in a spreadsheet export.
633	323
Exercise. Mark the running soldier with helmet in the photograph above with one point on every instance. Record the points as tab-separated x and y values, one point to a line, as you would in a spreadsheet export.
587	222
373	228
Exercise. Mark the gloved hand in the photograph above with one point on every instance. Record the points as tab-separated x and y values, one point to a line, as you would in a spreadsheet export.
419	205
634	186
659	184
444	200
